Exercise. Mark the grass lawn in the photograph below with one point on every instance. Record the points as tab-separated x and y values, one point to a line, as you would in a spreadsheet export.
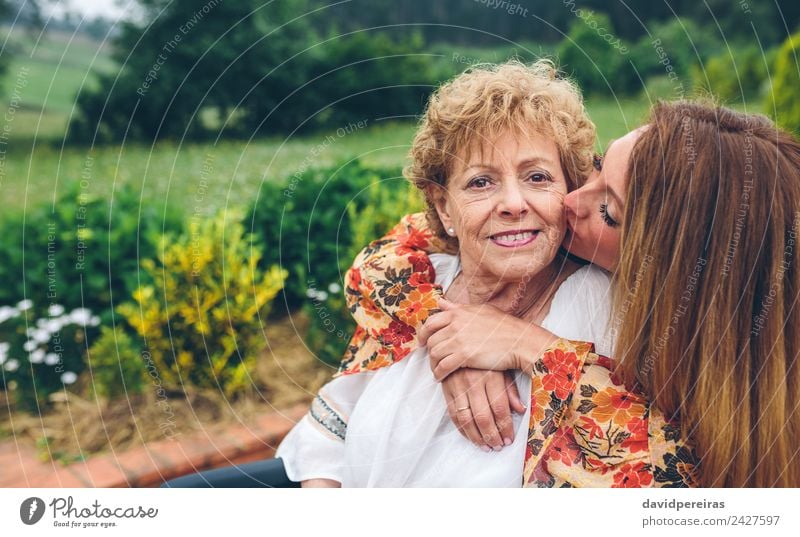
47	72
172	174
34	168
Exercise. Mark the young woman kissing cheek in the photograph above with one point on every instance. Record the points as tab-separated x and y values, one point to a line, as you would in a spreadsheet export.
594	211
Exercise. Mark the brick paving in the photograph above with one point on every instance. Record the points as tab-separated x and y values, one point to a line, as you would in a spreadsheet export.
151	464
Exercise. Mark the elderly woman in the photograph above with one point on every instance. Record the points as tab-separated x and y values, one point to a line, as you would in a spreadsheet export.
696	214
496	153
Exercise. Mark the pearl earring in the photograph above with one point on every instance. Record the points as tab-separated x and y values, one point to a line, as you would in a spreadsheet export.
451	231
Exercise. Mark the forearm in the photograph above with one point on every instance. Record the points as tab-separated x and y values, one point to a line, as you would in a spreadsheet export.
533	344
320	484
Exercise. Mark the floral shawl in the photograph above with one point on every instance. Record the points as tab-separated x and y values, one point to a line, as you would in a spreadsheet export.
586	428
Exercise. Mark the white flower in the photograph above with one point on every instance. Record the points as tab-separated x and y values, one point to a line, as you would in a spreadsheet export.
80	316
53	325
51	358
4	347
37	356
41	336
55	310
30	346
7	312
12	365
322	296
68	377
24	305
311	293
334	288
94	321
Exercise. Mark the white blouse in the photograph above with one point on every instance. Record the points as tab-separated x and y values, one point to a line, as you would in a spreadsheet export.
391	428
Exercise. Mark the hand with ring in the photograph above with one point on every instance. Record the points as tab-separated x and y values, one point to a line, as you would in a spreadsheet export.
480	403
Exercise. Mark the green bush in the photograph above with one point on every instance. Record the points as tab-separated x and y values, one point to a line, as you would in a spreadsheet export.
200	319
331	324
354	77
306	222
782	102
672	49
266	77
659	87
594	55
81	250
72	255
313	225
734	76
116	364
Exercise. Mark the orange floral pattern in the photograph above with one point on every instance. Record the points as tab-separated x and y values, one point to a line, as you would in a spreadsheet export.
634	475
586	428
391	291
619	406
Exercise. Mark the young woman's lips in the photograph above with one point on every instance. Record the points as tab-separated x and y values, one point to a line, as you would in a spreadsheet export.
514	239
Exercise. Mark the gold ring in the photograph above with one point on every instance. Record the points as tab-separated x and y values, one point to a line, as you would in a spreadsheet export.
465	408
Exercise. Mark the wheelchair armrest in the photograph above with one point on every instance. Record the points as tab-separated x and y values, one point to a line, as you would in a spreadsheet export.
269	473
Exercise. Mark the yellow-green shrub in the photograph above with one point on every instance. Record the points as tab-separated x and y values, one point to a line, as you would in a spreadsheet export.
734	75
782	102
116	364
201	319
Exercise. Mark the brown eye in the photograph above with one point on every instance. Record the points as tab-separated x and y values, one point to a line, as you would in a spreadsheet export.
597	161
539	177
480	182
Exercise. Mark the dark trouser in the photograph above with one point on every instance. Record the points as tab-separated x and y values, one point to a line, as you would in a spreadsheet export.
268	473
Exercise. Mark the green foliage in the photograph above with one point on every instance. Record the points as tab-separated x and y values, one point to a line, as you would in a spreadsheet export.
200	319
116	364
365	75
74	255
331	324
672	49
593	54
660	87
273	74
178	58
314	225
79	251
782	102
307	225
735	75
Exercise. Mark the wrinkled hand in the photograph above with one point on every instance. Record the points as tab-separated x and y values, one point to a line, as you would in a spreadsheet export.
491	397
480	337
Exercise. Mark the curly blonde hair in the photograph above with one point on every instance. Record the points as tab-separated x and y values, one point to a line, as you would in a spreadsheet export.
487	100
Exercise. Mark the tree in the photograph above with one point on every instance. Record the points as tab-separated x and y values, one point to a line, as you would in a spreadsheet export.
593	54
22	14
247	67
181	58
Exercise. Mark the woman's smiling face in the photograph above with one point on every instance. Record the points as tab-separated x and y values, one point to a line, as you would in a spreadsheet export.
594	211
505	203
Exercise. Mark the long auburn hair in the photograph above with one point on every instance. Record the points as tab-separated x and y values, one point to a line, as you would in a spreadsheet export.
709	277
